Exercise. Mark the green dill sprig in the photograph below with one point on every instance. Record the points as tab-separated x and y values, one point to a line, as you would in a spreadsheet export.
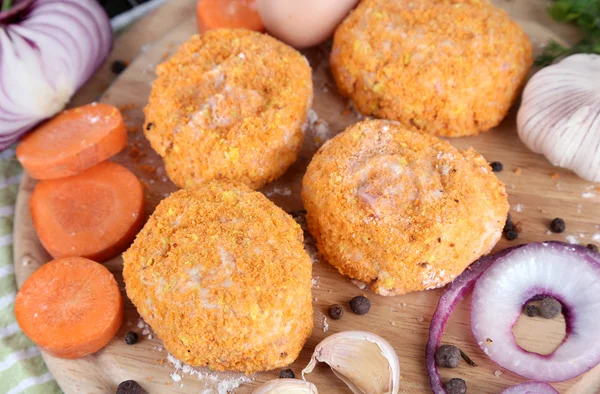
583	13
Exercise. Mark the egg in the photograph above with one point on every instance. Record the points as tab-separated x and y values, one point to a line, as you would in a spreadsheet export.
304	23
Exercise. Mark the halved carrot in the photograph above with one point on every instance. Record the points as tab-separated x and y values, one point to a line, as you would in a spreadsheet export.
72	141
94	214
70	307
214	14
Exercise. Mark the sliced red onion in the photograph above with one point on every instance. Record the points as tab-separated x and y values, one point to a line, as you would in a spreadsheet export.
448	301
531	388
48	49
558	270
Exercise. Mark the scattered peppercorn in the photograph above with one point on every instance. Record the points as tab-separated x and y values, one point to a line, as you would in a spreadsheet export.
360	305
557	225
118	66
592	247
336	311
531	310
131	338
496	166
447	356
550	308
130	387
456	386
508	225
149	126
287	374
511	235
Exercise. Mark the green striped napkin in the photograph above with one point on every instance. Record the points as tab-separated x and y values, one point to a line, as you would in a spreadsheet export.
22	369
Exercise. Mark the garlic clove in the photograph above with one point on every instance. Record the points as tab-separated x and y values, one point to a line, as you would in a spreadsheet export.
364	361
286	386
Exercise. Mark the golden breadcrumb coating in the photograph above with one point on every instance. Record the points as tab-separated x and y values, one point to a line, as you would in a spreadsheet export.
401	210
446	67
220	273
229	105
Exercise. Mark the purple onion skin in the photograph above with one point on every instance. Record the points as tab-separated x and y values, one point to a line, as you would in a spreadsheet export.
446	304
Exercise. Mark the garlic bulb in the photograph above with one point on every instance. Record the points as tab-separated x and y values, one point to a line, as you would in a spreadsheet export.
364	361
286	386
560	115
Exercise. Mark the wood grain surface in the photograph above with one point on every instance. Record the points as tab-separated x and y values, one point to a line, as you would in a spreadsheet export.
535	197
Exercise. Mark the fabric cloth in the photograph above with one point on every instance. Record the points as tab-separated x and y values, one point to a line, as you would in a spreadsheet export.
22	369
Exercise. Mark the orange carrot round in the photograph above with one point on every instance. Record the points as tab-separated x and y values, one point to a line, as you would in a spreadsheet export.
73	141
94	214
214	14
70	307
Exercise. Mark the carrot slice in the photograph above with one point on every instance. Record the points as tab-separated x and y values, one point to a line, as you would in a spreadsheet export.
70	307
72	141
94	214
214	14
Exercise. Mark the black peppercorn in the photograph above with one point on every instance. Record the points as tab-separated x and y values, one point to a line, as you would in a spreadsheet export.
557	225
287	374
550	308
336	311
531	310
508	225
149	126
592	247
456	386
496	166
131	338
447	356
118	66
360	305
130	387
511	235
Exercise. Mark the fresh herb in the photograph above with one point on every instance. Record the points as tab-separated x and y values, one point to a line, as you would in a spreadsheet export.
467	359
583	13
6	5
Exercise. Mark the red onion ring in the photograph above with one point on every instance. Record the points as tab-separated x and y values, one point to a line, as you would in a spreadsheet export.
548	269
531	388
470	279
48	49
446	304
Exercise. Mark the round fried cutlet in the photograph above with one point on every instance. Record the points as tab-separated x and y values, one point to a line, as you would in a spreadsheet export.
220	274
229	105
446	67
401	210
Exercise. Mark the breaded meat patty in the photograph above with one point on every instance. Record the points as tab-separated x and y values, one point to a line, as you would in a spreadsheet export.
401	210
447	67
221	275
229	105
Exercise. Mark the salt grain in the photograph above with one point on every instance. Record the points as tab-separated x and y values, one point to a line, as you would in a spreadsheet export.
359	284
315	281
498	373
572	239
596	237
176	377
325	324
588	195
420	319
519	208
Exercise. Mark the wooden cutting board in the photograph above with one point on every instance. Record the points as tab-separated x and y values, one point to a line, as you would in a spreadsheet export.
535	196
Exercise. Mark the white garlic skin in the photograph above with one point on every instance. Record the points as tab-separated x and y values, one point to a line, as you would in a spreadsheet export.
559	115
364	361
286	386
